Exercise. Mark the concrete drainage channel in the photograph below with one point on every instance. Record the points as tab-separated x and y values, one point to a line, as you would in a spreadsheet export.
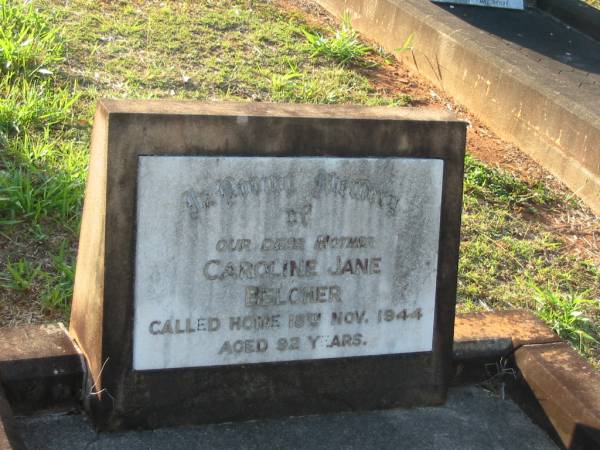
531	78
510	353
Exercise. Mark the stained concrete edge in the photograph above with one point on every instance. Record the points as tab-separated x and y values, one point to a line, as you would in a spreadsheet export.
523	110
40	367
567	389
492	335
473	418
10	438
266	109
564	384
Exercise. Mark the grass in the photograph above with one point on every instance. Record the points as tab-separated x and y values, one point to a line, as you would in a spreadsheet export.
42	170
505	258
33	104
502	252
496	186
20	275
42	181
568	314
344	46
81	50
28	42
58	59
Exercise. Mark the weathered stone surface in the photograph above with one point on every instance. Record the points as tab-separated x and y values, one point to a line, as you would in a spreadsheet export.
491	335
39	367
126	134
568	390
24	349
10	439
282	259
471	419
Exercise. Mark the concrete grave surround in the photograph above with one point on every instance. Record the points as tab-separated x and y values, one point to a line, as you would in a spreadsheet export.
157	212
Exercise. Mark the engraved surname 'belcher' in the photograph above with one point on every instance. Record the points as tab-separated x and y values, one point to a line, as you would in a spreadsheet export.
302	295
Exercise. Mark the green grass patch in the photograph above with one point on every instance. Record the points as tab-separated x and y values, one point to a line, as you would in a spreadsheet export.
344	46
327	87
571	315
498	186
32	195
42	170
29	42
58	279
26	104
20	275
51	282
501	253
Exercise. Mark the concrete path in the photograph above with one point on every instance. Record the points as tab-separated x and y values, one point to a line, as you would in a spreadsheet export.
561	58
471	419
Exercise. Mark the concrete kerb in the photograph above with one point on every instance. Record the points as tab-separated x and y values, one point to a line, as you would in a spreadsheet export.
559	131
565	386
40	367
491	336
567	390
9	436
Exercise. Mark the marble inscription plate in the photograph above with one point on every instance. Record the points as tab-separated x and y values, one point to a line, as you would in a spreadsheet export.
245	260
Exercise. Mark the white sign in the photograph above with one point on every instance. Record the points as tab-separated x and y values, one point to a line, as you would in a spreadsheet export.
245	260
509	4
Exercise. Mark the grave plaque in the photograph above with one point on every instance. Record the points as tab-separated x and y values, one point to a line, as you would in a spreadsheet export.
283	259
248	261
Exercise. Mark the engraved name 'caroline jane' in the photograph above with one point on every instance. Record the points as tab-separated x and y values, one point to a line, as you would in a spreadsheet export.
216	269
